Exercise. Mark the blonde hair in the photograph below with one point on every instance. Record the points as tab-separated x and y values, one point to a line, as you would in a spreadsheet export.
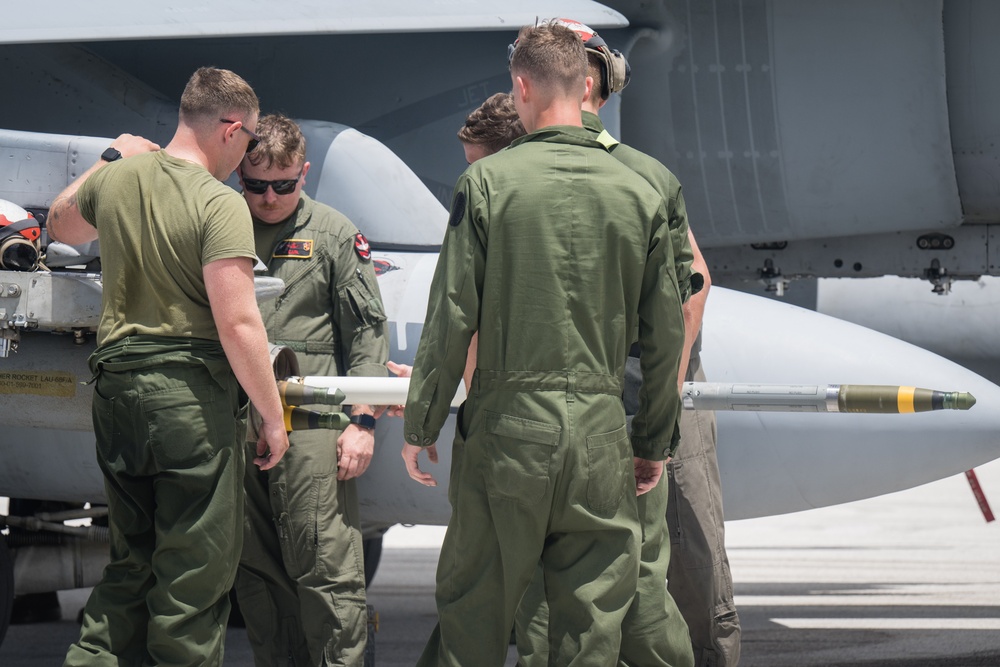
281	143
212	93
495	124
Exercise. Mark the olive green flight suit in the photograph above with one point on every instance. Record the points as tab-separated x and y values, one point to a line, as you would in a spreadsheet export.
557	254
654	632
301	583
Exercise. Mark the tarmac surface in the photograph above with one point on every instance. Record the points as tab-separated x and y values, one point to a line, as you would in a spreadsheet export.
911	579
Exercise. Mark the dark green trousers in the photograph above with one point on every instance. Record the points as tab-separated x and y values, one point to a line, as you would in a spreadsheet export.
301	583
654	633
699	578
169	441
546	477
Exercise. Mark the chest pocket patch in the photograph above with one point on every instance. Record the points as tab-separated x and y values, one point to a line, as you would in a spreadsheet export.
294	249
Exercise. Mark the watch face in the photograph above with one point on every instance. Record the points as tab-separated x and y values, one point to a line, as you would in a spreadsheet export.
111	154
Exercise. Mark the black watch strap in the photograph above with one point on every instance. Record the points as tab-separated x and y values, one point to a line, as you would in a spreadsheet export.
111	154
364	421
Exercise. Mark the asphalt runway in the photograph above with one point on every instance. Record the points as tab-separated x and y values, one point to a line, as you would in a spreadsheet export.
910	579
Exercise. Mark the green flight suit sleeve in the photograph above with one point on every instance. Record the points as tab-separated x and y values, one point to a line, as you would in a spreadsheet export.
452	315
683	254
656	426
358	314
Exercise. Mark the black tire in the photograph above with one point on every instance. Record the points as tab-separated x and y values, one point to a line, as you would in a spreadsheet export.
6	587
373	554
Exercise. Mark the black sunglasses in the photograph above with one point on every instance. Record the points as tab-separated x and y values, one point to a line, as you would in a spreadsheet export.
285	186
254	137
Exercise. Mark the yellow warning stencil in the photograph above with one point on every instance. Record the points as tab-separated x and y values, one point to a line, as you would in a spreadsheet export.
41	383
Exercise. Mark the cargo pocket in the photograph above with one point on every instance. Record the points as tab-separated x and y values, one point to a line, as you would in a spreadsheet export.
296	526
519	452
366	307
608	457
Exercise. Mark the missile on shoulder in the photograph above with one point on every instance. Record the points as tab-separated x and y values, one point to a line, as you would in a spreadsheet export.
856	398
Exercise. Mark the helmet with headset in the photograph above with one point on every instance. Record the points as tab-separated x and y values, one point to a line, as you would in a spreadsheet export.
19	238
615	70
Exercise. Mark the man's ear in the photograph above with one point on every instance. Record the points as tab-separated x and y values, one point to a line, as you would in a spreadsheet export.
588	88
305	170
521	88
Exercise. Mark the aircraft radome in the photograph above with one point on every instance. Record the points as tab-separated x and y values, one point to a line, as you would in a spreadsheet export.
804	152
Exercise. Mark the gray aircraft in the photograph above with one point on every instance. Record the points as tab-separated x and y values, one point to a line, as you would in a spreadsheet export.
814	140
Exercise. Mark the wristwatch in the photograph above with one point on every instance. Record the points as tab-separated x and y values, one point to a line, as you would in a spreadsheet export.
364	421
111	154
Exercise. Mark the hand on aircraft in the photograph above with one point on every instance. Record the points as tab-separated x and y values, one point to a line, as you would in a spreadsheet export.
272	444
355	448
131	144
647	474
403	371
411	453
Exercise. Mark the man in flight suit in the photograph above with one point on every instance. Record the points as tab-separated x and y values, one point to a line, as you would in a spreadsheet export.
698	577
179	327
699	582
301	583
559	256
654	632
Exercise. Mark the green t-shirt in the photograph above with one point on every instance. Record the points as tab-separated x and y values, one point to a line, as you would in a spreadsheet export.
160	220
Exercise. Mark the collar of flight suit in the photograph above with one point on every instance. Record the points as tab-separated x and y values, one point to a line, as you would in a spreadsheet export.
562	134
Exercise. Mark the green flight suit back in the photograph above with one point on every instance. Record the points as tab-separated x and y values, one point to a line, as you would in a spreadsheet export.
557	254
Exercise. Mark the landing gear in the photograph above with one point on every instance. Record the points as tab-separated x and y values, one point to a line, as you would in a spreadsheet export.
6	586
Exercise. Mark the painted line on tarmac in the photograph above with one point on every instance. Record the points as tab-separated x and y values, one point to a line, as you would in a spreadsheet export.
889	623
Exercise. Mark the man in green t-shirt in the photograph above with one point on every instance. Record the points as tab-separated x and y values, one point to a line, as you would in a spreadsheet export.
301	582
179	334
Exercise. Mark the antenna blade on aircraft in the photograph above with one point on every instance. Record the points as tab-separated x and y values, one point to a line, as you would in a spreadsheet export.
123	19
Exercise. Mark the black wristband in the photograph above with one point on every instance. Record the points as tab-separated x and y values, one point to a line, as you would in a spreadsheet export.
364	421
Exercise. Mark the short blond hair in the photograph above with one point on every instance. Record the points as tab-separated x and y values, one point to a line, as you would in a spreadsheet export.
212	94
551	54
494	125
281	143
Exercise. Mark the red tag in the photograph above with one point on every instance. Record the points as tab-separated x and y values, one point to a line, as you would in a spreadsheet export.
362	247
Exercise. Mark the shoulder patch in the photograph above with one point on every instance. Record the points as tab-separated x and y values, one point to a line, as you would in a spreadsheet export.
294	249
457	210
362	247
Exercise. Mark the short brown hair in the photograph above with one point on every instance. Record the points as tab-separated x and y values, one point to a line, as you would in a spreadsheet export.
281	143
494	124
212	93
595	70
552	55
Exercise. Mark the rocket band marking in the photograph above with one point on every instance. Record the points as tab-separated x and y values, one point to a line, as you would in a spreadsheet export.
904	400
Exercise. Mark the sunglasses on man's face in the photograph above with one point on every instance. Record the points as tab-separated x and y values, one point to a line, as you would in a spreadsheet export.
285	186
254	137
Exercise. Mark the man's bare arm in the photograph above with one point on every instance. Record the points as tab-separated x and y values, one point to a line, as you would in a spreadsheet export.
229	283
694	308
65	223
